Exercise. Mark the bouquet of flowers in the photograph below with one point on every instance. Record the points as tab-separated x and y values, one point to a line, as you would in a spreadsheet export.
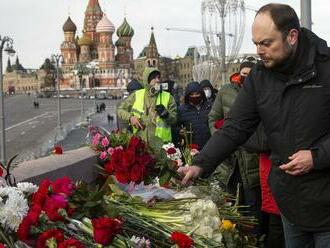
130	159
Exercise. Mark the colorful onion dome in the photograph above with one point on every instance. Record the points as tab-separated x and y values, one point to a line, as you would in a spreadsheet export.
69	26
120	42
105	26
125	29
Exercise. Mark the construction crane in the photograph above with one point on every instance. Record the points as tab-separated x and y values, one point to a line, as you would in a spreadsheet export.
192	30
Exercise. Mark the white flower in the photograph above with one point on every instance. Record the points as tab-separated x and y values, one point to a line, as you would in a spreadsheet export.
175	156
26	187
14	209
140	242
217	237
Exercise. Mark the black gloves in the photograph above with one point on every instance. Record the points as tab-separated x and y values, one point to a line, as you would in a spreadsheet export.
161	111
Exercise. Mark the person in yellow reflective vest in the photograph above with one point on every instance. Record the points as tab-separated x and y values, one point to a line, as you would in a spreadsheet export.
151	111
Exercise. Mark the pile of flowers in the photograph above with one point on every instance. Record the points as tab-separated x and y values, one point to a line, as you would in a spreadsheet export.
129	161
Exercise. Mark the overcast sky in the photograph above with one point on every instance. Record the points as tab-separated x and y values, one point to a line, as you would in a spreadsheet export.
36	25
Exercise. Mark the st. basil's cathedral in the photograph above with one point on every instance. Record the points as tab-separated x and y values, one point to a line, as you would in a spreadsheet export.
114	61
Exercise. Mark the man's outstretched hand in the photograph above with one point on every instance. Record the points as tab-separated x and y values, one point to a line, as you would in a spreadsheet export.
189	173
300	163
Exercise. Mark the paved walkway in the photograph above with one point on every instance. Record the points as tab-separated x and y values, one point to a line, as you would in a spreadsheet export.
78	137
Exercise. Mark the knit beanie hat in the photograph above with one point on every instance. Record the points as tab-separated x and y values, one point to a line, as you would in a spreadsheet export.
248	62
153	75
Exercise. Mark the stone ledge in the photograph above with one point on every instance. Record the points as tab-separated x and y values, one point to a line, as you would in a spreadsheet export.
77	164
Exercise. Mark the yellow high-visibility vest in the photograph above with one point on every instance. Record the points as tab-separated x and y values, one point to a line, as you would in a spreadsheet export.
162	130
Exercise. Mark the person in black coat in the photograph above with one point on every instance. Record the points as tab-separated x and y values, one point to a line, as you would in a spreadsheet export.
289	91
194	113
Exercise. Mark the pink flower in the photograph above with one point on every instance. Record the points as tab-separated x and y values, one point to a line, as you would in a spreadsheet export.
179	162
193	152
119	148
110	150
105	142
96	139
59	199
103	155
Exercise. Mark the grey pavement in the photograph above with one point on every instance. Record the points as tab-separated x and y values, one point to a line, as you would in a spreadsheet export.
32	133
78	137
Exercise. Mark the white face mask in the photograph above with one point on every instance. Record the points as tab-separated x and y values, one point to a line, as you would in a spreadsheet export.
208	93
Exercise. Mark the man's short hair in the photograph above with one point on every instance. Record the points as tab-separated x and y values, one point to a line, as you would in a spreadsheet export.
284	17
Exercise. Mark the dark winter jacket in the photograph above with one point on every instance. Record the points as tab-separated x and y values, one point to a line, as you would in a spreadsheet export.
197	118
294	107
247	162
134	85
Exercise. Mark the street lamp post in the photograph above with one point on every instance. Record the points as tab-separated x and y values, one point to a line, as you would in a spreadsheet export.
93	66
9	49
80	74
93	78
57	58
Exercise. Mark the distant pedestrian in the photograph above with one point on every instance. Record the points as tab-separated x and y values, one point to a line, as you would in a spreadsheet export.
97	108
110	119
102	107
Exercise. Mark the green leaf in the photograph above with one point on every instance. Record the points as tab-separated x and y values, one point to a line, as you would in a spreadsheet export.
165	177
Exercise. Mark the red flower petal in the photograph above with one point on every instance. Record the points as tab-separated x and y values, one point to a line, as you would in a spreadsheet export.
182	240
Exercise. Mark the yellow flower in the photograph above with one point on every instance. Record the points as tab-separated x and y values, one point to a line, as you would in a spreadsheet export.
227	225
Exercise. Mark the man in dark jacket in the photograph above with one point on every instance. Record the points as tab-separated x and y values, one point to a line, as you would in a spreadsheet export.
289	91
193	114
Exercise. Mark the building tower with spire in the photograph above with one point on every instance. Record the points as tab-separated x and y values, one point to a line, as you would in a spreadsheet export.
114	70
93	16
152	52
69	46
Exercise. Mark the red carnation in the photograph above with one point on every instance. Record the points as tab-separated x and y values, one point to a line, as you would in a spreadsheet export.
23	232
171	151
63	185
134	142
49	234
53	204
71	243
58	150
128	159
182	240
30	219
1	173
123	176
39	197
137	173
2	246
219	123
194	146
105	229
108	167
